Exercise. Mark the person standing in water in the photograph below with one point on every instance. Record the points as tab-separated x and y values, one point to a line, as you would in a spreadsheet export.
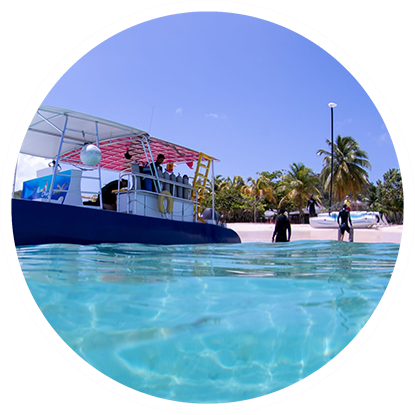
344	216
282	226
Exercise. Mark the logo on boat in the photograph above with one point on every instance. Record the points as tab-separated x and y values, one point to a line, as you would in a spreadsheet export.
39	188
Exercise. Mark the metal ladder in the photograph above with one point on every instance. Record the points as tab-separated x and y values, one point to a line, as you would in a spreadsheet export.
200	180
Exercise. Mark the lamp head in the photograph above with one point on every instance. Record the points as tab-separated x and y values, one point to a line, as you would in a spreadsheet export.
332	105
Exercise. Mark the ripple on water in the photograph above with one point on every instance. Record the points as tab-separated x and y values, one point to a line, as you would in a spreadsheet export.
208	323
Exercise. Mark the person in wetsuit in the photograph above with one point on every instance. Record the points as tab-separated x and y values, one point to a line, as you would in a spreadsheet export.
157	166
282	225
344	216
109	199
311	206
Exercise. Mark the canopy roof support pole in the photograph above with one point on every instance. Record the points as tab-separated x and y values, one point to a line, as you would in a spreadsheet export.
99	169
51	123
213	193
14	178
159	188
145	151
55	170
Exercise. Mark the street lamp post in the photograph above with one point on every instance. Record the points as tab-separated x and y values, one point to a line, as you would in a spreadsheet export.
332	105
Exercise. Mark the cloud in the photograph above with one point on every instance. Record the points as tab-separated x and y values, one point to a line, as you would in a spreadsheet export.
384	137
179	111
340	124
380	137
27	167
213	115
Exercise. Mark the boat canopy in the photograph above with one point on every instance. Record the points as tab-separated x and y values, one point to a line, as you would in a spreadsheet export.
50	124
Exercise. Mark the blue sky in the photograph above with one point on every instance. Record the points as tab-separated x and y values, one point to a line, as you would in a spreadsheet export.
249	92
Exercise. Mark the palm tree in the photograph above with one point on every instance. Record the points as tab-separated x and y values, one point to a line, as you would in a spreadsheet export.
220	184
298	184
233	184
228	198
349	167
258	189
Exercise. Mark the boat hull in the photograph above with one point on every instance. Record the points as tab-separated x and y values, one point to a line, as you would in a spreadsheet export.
36	223
359	220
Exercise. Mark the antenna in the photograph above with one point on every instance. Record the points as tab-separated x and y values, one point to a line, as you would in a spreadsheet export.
151	120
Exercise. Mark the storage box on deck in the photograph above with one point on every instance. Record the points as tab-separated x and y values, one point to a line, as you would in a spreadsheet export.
66	189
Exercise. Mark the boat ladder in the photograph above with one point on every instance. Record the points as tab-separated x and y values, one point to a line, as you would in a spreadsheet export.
200	179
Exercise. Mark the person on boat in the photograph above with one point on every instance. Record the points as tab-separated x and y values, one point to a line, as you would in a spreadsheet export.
344	216
109	199
282	227
311	206
156	166
348	203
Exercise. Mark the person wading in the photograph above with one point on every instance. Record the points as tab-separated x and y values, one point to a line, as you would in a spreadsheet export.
282	227
344	216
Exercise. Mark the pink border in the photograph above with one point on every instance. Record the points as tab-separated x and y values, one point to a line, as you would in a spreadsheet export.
339	21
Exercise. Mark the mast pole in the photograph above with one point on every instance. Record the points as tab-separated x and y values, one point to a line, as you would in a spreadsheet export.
213	193
55	170
99	169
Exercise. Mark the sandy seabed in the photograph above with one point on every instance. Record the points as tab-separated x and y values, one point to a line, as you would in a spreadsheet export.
262	232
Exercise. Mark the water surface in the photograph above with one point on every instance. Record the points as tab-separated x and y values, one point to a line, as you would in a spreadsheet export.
208	323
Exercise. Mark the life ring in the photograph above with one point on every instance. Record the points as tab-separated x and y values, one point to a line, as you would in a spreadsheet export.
165	194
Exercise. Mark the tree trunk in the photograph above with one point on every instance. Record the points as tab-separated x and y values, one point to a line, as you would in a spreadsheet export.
300	210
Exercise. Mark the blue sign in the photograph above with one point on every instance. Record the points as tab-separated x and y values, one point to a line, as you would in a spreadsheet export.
39	188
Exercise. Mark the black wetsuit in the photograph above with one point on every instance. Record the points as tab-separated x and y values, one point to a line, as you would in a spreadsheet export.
108	197
153	168
344	215
282	224
311	205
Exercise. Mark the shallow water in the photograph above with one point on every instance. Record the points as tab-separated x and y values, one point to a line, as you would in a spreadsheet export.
208	323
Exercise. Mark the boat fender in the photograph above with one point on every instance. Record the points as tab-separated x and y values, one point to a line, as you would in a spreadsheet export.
90	155
160	202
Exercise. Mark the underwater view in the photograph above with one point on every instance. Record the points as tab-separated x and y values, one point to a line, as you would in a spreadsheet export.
208	323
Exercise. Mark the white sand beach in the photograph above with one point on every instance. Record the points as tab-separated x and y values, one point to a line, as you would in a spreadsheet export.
262	232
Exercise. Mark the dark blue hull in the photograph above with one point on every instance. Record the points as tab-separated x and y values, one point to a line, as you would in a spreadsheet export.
36	223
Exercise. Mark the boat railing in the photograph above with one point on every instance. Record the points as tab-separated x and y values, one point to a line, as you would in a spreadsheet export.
135	181
83	192
154	179
60	190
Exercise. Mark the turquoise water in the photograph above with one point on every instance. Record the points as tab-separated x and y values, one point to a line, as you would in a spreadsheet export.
208	323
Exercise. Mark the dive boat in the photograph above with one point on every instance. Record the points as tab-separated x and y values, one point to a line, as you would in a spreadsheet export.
154	208
359	219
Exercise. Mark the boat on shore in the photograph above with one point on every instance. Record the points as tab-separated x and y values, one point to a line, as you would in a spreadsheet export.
359	219
154	208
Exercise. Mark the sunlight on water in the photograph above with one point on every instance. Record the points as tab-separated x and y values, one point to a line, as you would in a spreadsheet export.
208	323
